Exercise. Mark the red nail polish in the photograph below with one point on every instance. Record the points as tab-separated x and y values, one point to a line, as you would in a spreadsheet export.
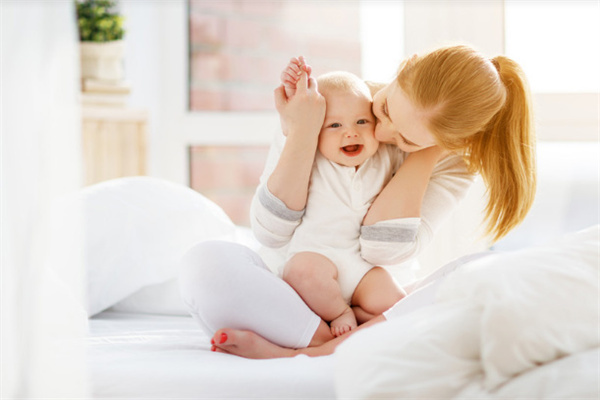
223	338
213	348
212	341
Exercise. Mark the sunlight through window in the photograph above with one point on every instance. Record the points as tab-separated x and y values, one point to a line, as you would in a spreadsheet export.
557	43
382	39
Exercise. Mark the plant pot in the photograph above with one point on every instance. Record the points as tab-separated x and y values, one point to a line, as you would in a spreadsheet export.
102	60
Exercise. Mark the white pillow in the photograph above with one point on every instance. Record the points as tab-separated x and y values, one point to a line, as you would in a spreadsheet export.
165	298
136	230
161	299
538	304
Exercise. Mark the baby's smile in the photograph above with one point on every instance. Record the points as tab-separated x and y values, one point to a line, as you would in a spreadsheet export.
352	150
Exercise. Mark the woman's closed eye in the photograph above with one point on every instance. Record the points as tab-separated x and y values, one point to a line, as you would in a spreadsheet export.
383	109
406	142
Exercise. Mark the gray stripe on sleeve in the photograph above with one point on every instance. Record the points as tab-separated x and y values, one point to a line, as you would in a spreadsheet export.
276	206
381	233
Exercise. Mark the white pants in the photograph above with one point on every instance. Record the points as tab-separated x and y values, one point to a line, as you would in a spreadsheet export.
227	285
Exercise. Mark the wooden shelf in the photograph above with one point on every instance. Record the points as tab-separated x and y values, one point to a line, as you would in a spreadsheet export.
114	142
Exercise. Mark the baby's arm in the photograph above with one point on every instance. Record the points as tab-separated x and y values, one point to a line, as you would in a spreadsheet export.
291	74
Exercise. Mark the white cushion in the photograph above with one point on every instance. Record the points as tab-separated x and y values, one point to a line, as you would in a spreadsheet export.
494	318
165	298
161	299
136	230
539	304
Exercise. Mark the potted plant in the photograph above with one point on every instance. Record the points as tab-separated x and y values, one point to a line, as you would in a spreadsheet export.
101	35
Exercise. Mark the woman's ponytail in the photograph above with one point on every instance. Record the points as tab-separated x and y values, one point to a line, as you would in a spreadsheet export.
481	109
504	153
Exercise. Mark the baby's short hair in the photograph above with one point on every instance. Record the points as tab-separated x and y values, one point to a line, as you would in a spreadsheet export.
344	81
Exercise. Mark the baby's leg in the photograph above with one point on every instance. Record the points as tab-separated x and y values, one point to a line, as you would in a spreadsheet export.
314	277
376	292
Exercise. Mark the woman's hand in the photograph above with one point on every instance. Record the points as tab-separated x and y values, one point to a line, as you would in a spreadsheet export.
303	113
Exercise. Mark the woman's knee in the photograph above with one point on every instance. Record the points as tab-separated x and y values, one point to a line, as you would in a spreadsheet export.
207	264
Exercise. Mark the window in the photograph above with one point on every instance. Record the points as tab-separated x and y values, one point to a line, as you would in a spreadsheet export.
237	49
556	43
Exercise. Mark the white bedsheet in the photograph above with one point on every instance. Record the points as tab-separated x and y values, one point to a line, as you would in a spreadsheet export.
135	356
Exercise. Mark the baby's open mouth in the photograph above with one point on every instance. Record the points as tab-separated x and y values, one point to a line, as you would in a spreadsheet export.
352	150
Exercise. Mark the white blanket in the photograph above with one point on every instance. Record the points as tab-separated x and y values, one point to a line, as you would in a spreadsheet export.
497	321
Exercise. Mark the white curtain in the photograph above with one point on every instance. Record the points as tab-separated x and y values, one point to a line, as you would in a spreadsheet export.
43	324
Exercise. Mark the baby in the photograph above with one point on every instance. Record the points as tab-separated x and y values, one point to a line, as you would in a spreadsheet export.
324	264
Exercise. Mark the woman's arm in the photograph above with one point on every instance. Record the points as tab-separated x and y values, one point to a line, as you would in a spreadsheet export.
403	195
412	206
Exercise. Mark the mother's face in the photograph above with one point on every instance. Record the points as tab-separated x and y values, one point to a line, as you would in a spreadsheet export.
399	121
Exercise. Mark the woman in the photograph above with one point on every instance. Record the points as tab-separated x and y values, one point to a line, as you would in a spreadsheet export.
454	113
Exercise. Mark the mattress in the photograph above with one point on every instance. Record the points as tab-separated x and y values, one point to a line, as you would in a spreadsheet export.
153	356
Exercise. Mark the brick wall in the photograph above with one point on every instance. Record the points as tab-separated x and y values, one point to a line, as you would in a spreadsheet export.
228	175
239	47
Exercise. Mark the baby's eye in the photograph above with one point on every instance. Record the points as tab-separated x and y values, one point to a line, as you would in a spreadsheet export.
335	125
362	121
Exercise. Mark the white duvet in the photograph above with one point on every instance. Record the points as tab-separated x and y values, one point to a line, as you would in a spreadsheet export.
519	324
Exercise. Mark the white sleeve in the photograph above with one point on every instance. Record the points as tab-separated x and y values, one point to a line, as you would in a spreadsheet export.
395	241
272	223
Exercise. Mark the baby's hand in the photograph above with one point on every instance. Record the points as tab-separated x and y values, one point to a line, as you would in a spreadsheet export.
291	74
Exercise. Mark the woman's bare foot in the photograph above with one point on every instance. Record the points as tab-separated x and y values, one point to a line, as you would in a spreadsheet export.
344	323
247	344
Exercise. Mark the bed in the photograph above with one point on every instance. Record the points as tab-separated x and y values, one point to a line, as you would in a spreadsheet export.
142	356
142	344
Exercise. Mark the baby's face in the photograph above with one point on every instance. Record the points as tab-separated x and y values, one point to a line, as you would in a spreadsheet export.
347	136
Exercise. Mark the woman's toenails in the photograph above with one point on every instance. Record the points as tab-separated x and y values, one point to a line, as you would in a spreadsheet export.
223	338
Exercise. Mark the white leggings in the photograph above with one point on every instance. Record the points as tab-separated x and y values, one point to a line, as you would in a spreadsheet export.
227	285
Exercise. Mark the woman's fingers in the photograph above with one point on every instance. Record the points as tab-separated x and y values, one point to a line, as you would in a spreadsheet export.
302	84
280	97
312	84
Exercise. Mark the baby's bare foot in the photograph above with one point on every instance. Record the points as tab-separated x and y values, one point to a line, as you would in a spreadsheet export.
344	323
